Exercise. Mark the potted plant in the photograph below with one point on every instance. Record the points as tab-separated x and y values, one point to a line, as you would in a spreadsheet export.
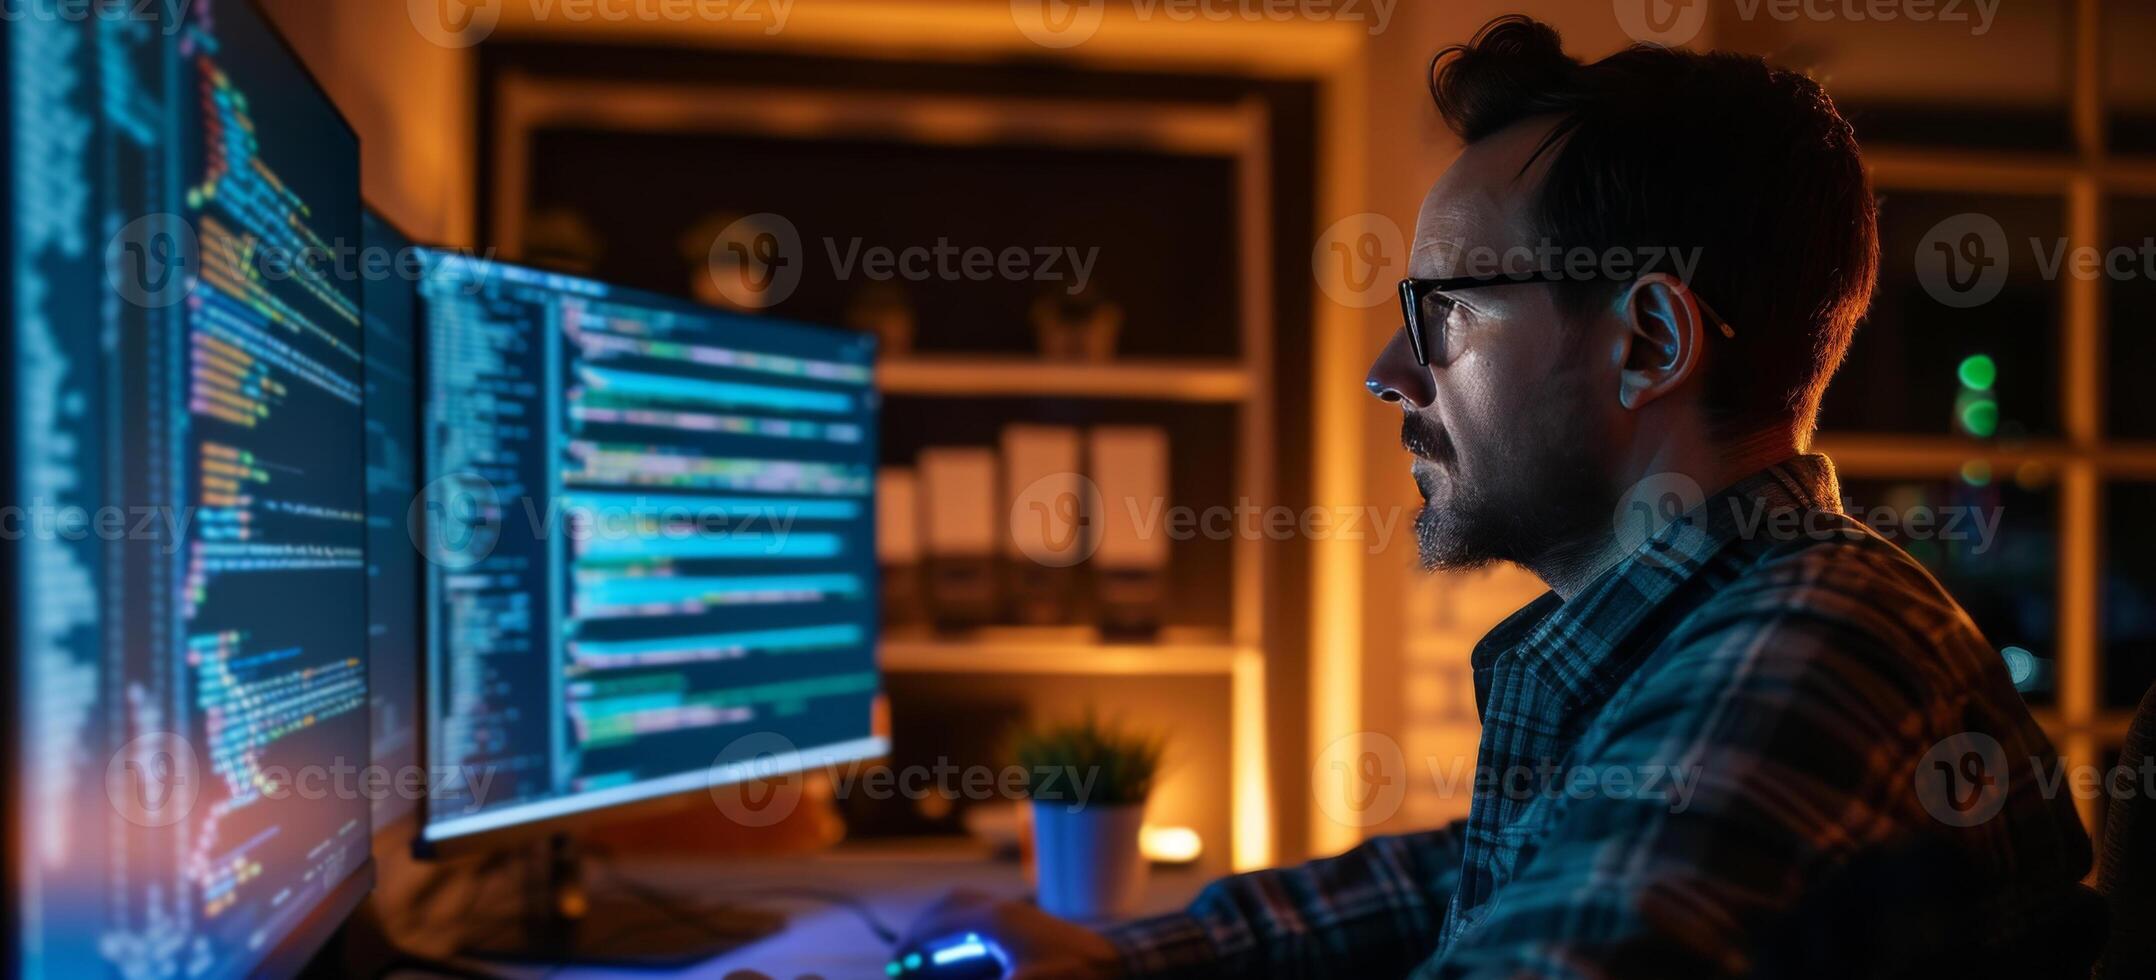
1088	784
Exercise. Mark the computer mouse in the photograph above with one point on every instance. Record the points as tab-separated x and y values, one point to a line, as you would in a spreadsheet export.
961	956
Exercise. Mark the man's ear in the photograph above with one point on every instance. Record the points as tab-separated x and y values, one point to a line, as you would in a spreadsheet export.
1665	337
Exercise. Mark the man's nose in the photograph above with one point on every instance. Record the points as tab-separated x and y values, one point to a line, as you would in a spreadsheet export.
1395	377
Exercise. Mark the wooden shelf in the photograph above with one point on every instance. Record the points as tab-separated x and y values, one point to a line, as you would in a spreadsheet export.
971	656
1216	381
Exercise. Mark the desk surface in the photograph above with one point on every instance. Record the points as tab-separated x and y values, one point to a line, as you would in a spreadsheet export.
826	940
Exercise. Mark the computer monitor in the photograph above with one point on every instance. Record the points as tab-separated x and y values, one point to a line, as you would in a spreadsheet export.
652	558
185	568
391	267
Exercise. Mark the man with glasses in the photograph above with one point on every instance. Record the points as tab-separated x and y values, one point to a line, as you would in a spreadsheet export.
1825	770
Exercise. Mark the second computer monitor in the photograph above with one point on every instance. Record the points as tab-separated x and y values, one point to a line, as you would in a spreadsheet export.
651	547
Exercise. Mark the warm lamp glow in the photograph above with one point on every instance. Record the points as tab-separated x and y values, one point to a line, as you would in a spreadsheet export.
1170	845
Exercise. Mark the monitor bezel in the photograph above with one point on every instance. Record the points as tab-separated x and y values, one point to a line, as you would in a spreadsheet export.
807	758
393	831
10	644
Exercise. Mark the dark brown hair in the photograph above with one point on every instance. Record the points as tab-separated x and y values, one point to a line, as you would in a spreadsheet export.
1748	165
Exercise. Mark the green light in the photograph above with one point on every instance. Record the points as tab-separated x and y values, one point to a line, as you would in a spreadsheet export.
913	961
1980	418
1978	372
1976	473
890	969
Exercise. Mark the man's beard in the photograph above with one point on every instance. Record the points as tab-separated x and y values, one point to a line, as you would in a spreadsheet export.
1537	493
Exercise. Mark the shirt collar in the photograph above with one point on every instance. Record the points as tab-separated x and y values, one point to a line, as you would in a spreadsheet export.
1586	646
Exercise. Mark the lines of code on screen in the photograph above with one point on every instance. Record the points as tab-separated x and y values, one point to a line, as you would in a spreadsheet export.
654	550
187	436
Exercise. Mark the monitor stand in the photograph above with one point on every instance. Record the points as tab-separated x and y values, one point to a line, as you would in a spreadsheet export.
564	922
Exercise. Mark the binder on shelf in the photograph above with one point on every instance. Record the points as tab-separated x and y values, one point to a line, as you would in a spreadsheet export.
1129	465
1045	503
960	521
898	545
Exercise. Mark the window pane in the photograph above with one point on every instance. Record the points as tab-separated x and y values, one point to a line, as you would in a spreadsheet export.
2129	593
1994	547
2130	75
1906	369
2130	340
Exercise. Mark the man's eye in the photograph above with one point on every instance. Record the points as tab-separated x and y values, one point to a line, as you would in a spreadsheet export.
1437	308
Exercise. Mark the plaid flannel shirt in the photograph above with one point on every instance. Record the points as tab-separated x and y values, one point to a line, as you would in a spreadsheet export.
1807	680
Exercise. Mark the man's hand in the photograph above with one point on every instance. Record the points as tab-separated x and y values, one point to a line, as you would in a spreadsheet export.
1041	946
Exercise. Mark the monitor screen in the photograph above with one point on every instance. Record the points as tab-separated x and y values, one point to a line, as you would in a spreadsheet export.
652	556
185	464
391	269
184	442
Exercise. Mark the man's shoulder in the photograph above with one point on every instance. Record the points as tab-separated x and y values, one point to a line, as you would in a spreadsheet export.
1837	583
1835	614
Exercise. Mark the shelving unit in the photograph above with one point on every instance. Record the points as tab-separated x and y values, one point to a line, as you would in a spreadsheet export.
1222	382
930	656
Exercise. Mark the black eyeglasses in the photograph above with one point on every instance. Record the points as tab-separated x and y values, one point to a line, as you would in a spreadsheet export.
1422	325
